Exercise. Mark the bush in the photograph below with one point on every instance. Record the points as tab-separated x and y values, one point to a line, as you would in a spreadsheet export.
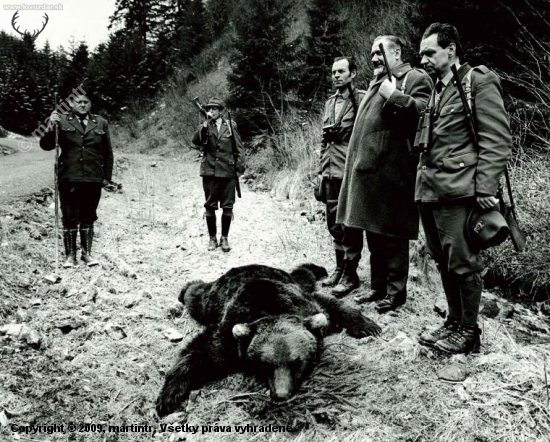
526	274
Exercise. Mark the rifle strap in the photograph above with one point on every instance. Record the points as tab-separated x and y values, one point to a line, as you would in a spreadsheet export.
404	84
468	92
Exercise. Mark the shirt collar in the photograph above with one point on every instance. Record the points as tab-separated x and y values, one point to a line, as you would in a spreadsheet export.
344	94
445	80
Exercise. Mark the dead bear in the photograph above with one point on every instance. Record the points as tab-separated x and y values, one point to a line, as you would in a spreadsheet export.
261	320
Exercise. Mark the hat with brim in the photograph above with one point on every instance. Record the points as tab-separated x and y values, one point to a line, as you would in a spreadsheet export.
214	102
486	228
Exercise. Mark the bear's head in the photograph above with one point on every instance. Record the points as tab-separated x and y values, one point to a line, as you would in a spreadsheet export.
282	349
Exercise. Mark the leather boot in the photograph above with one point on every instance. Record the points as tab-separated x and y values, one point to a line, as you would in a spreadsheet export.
451	286
471	286
378	281
212	243
465	340
350	280
226	223
397	258
86	241
336	275
391	302
211	225
69	241
224	243
430	337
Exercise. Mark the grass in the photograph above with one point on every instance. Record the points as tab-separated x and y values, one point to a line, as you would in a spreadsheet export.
110	370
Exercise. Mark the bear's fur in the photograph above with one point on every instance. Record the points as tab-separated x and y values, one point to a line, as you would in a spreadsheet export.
262	320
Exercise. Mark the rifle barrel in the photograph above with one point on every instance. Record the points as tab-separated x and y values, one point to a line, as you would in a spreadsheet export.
388	71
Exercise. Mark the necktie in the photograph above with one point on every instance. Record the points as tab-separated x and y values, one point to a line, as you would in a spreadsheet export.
82	122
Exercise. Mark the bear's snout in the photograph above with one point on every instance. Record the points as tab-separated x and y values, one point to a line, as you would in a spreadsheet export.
281	385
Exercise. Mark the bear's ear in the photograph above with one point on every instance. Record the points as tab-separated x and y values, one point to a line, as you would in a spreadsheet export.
241	331
191	289
316	323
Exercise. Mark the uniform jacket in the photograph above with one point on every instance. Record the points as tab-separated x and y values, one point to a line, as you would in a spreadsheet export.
333	154
86	155
217	153
378	189
453	166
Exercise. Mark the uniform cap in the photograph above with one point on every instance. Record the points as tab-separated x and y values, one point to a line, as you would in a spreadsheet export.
214	102
486	228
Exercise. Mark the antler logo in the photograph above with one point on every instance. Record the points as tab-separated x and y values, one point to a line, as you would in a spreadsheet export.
36	32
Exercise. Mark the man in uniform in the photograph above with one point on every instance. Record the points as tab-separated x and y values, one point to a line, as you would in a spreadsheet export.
85	164
217	170
454	176
338	120
378	190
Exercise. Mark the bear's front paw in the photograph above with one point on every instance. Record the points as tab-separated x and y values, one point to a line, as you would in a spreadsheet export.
362	326
168	402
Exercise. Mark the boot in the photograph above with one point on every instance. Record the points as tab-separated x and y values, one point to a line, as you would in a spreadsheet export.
336	275
397	259
224	243
350	280
465	340
86	241
212	244
226	223
391	302
430	337
211	225
69	241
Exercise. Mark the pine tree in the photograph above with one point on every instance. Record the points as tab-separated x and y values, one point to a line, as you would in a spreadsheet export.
263	63
321	47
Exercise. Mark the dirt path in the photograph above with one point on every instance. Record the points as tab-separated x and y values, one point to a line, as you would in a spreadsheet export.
27	170
104	351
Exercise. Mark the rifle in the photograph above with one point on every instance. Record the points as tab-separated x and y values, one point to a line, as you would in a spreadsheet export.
518	237
235	154
352	98
201	109
386	64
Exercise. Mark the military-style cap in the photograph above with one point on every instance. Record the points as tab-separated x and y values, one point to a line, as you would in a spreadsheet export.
486	228
214	102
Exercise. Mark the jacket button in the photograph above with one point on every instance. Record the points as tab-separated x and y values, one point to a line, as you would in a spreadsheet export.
424	167
461	164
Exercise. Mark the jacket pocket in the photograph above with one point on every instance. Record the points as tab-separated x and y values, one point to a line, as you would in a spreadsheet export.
99	131
67	129
451	109
371	154
461	161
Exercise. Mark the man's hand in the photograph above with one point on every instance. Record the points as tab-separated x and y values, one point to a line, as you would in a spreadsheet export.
487	202
105	183
54	118
388	87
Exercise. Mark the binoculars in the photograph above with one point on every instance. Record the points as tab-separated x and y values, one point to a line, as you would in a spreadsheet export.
331	133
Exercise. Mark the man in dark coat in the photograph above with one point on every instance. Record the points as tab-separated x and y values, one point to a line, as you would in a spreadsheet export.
454	175
378	190
85	164
214	139
338	119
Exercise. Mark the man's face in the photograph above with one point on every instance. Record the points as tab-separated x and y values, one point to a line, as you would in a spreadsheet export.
393	55
341	76
214	112
81	105
435	59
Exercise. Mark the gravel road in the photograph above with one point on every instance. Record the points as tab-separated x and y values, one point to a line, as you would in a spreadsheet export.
27	170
